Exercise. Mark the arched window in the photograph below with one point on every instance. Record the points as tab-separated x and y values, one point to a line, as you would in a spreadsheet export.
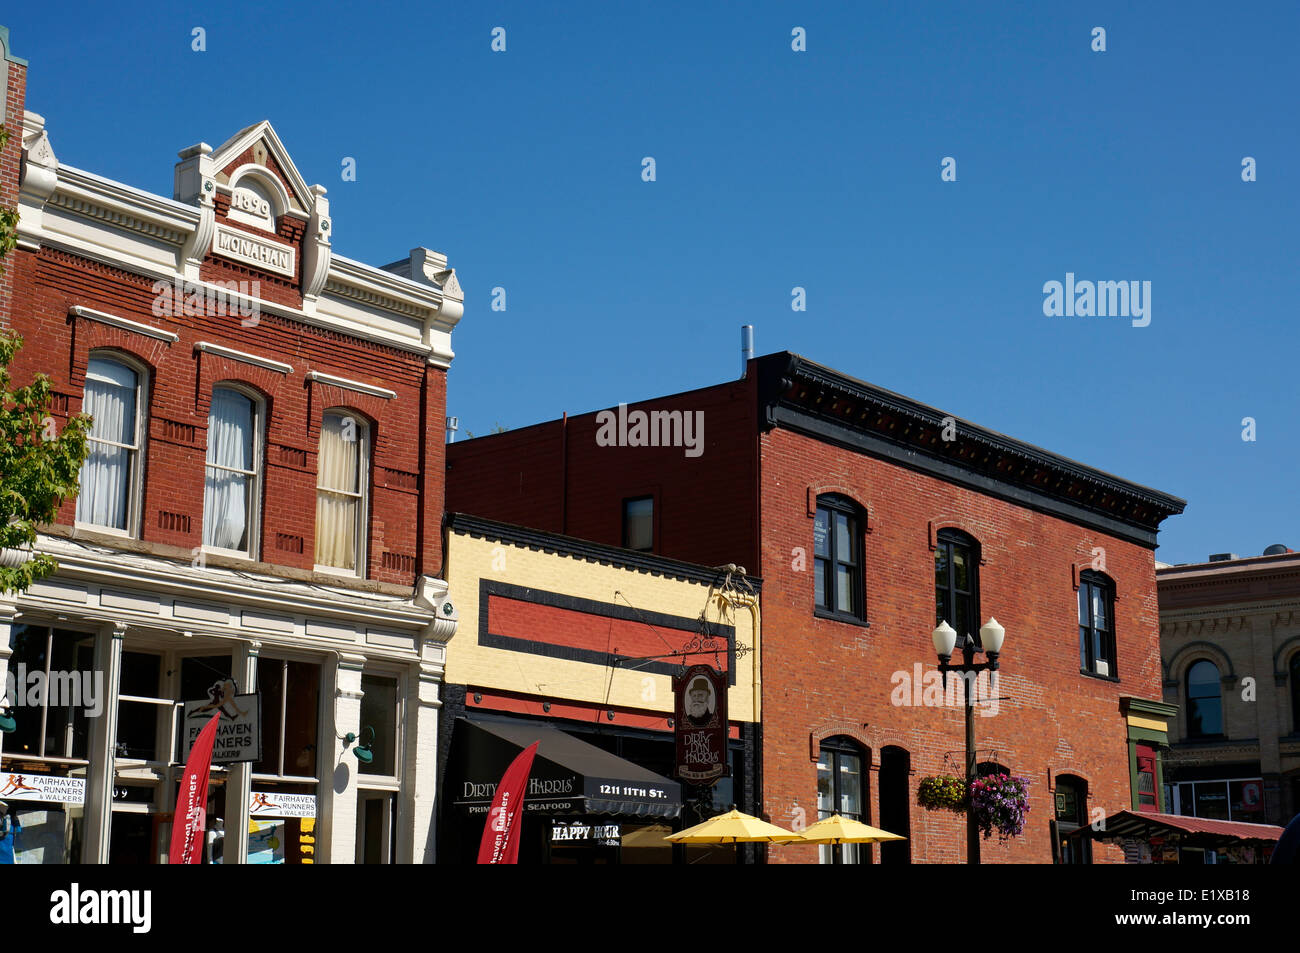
232	484
110	477
837	559
987	769
1071	813
1295	692
342	482
841	789
1204	701
956	583
1096	623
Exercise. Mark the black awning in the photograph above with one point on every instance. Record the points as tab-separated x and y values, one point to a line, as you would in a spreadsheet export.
569	776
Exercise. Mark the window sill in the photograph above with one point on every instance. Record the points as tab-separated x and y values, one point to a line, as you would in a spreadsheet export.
1100	678
841	617
229	553
106	530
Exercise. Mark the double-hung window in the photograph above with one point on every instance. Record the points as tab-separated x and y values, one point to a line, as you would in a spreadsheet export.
231	490
341	483
1204	701
956	584
837	559
1096	624
110	476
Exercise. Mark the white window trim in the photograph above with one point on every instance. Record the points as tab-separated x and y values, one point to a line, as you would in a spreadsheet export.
363	510
207	347
253	553
90	314
346	384
135	495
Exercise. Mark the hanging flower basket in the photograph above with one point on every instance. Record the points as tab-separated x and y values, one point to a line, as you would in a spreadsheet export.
999	803
942	793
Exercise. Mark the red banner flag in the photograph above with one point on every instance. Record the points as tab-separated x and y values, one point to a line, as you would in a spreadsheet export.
189	821
500	843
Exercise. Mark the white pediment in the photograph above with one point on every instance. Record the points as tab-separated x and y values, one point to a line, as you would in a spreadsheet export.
261	138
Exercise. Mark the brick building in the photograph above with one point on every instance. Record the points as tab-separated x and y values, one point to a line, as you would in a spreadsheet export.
260	512
575	645
870	517
1230	640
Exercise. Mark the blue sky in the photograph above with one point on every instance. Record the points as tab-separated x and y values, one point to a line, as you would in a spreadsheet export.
777	169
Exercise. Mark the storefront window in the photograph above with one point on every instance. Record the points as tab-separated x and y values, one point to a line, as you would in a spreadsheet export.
379	711
52	690
282	825
140	712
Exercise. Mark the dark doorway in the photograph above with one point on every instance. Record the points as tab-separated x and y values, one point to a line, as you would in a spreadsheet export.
895	804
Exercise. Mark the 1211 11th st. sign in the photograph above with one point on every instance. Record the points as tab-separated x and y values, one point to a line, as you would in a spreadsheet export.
700	724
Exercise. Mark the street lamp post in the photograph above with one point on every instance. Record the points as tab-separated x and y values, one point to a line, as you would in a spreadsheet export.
945	640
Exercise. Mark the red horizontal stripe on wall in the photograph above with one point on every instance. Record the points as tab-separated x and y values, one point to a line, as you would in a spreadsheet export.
517	619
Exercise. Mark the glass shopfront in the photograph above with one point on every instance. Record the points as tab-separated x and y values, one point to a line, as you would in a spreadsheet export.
571	827
51	688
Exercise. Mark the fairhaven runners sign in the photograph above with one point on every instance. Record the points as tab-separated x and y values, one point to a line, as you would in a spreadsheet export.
239	732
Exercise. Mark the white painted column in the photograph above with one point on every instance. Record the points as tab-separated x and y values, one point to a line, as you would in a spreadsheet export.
239	782
8	611
422	751
338	802
103	735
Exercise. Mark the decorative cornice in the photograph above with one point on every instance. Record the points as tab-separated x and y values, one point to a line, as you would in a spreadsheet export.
90	314
807	397
207	347
168	238
147	590
360	388
478	527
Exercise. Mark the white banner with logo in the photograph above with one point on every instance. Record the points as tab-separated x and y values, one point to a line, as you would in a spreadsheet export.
41	787
274	804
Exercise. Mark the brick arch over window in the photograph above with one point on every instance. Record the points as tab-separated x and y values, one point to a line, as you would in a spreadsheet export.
322	397
854	496
976	531
126	349
1283	658
90	335
831	729
215	370
1187	655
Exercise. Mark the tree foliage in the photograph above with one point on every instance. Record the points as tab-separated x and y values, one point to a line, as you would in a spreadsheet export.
38	465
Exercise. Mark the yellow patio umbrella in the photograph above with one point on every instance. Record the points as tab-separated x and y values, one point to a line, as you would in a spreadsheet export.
843	830
731	828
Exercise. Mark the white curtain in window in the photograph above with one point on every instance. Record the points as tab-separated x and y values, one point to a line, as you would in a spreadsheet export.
227	493
111	392
338	499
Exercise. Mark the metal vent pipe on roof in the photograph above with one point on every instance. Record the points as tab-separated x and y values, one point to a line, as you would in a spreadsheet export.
746	348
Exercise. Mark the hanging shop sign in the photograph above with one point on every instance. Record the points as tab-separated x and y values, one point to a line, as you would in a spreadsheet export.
700	724
42	787
579	834
275	804
239	732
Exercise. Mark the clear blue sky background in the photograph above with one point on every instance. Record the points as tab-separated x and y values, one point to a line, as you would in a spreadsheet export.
775	169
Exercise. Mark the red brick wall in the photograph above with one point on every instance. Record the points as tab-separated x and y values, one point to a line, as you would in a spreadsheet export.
823	678
10	165
705	506
405	469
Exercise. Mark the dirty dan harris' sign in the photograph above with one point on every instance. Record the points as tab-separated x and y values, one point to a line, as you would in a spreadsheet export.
239	732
